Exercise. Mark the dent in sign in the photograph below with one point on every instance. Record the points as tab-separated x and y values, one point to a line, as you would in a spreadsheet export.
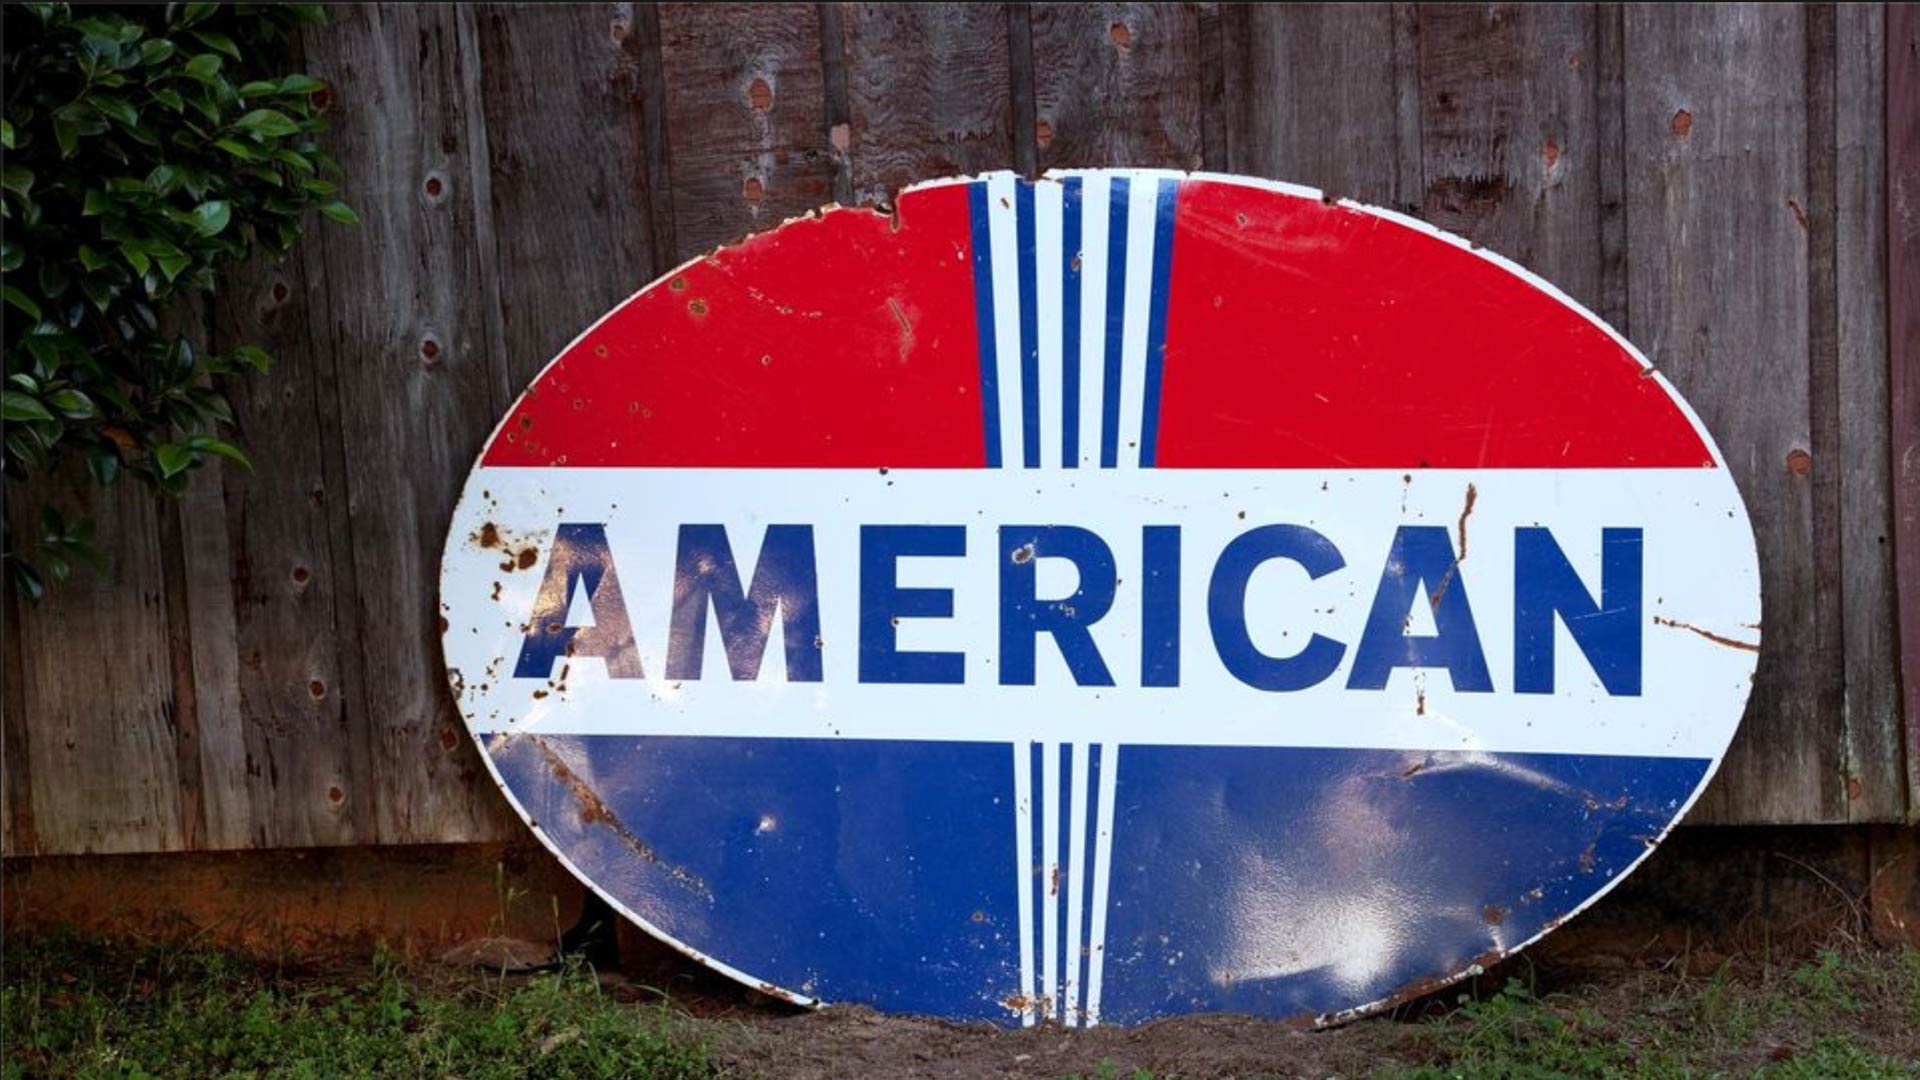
1097	599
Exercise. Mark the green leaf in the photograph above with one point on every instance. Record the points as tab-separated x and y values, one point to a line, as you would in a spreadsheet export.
300	84
20	407
163	179
170	98
212	216
6	134
254	357
205	67
66	132
171	265
341	212
267	123
218	43
117	109
155	50
12	255
96	202
26	579
258	88
171	459
237	149
135	258
73	404
22	301
208	445
17	178
104	463
90	259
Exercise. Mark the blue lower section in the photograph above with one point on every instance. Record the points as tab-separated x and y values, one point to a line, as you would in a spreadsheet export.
1266	881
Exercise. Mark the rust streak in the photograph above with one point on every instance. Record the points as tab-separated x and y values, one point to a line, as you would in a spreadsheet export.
1717	639
595	811
1446	580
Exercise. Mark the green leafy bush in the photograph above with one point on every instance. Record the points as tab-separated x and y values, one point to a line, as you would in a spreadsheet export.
146	149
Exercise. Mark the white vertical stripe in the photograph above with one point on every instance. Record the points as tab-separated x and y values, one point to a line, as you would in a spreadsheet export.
1143	199
1102	873
1047	241
1076	883
1023	859
1003	230
1050	875
1094	207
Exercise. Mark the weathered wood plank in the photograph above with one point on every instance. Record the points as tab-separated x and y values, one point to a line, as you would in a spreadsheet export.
1508	138
96	681
1330	99
1903	336
928	91
417	364
746	118
1117	84
1718	298
1876	789
17	833
257	550
573	227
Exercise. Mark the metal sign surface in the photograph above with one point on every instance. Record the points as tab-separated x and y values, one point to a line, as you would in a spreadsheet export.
1092	600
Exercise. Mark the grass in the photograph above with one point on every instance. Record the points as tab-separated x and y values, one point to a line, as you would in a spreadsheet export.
85	1009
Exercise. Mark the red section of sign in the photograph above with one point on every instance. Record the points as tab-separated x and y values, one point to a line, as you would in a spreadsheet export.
841	341
1302	335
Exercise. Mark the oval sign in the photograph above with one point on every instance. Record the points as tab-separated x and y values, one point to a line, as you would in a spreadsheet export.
1093	600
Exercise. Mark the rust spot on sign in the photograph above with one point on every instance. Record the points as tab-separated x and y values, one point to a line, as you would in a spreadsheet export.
753	191
1043	133
760	95
1120	35
1682	124
1799	462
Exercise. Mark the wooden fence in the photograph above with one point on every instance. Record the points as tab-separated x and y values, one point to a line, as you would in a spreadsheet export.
261	666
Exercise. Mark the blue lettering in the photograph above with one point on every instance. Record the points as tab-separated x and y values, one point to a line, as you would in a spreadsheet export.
1160	606
579	557
1421	566
1024	617
883	603
784	583
1227	607
1608	633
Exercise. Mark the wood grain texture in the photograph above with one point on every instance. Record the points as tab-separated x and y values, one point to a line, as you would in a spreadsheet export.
418	366
1330	98
257	632
1736	188
746	119
1716	150
96	682
1117	84
946	113
1903	336
1509	144
1877	785
573	229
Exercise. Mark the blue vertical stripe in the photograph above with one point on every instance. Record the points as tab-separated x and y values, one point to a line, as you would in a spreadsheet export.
1029	325
1070	324
1082	953
1116	322
1062	893
1164	205
1037	770
982	239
